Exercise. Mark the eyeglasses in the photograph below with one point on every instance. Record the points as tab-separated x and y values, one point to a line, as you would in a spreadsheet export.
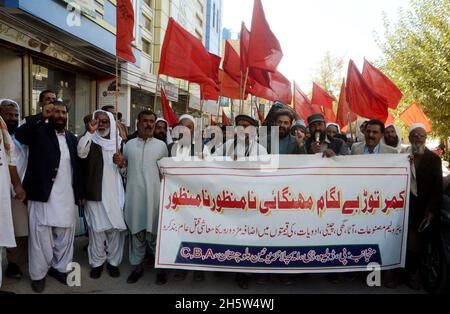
418	136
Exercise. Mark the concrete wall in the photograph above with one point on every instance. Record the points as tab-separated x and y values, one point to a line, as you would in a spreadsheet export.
11	72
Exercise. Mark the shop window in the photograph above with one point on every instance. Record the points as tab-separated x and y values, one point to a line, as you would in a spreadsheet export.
71	88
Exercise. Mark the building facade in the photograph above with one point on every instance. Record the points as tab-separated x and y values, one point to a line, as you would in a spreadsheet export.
52	44
214	27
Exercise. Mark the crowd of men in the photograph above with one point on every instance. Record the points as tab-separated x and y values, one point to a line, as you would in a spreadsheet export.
46	172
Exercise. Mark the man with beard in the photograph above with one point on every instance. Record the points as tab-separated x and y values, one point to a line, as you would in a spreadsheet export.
393	137
104	193
288	143
425	200
372	144
320	142
333	129
139	164
185	146
46	100
9	111
162	131
53	186
8	176
245	143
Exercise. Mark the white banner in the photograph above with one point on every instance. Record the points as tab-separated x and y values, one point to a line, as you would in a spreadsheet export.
309	215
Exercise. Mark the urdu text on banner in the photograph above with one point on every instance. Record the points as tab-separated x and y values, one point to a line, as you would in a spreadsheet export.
310	215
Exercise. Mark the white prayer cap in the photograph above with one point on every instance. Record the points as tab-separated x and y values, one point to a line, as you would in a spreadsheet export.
188	117
336	125
416	126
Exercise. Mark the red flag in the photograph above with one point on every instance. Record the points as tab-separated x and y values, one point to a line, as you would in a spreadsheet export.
229	87
344	109
225	120
264	51
281	87
255	75
361	99
322	98
302	105
244	44
183	56
208	91
329	114
382	85
414	114
232	62
168	113
390	120
124	32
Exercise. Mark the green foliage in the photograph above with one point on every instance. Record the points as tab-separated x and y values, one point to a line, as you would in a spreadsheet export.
417	57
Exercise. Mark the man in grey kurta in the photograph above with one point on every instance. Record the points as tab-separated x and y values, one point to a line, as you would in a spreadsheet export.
139	164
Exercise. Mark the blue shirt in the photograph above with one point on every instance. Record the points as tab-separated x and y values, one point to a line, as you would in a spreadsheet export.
376	150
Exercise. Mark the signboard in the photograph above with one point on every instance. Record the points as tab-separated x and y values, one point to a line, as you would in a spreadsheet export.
301	214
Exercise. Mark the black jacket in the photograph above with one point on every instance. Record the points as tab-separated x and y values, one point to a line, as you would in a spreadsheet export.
43	159
429	187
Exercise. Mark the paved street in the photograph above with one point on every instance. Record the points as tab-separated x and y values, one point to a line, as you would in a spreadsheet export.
223	284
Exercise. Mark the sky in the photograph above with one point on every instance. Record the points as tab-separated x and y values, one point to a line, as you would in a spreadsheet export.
307	29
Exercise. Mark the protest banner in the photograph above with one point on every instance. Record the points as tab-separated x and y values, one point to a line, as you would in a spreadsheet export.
310	215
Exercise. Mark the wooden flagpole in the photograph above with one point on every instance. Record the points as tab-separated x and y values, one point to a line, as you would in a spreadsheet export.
350	124
244	90
240	92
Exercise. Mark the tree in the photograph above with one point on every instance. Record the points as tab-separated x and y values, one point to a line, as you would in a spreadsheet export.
330	73
417	57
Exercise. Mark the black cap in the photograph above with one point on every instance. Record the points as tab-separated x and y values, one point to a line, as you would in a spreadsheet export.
249	119
316	118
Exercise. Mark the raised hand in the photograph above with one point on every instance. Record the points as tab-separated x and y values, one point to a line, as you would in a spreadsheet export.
92	126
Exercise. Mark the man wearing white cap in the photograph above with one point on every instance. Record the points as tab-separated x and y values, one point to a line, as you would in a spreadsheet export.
425	199
139	164
104	193
184	148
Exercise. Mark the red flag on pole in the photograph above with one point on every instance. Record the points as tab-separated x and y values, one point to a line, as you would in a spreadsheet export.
225	120
232	62
329	114
382	85
244	44
362	100
124	30
414	114
229	87
255	75
264	51
208	91
281	87
344	109
302	105
168	113
322	98
183	56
